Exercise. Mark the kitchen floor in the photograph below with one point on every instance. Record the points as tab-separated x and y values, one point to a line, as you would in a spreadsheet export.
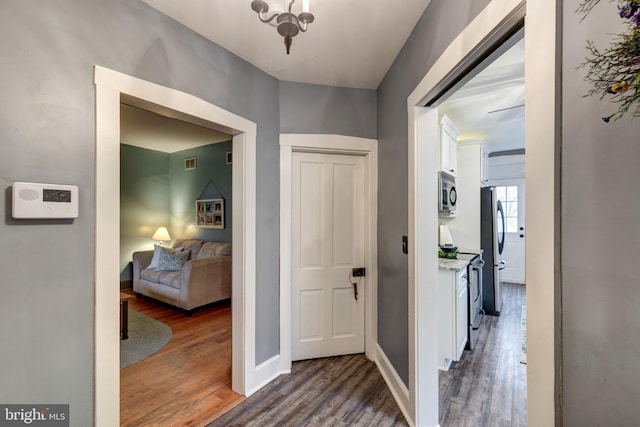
488	386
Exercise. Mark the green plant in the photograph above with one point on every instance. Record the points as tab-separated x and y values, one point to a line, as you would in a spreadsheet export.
448	255
615	71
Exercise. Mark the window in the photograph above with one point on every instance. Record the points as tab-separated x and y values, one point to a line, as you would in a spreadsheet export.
508	196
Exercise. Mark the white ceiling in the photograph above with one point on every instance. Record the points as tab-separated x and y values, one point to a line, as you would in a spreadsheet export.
475	107
144	129
352	43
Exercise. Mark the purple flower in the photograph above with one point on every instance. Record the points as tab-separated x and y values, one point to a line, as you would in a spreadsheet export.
628	10
636	18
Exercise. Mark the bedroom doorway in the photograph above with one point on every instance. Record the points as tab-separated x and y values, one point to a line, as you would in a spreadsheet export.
158	186
110	87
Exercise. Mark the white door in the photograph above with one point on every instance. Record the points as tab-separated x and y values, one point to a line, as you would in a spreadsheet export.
327	243
511	194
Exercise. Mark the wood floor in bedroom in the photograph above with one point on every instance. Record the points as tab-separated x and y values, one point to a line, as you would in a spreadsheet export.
188	382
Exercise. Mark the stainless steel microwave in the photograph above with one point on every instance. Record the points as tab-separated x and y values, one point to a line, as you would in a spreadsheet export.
447	196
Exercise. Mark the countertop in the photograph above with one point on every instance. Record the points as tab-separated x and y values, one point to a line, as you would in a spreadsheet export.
471	250
452	264
457	264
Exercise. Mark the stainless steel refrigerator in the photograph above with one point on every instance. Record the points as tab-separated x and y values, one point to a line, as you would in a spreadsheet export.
492	226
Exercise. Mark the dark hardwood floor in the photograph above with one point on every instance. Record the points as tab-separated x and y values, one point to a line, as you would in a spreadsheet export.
188	382
334	391
488	386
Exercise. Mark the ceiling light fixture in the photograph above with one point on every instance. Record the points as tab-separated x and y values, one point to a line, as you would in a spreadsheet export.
288	24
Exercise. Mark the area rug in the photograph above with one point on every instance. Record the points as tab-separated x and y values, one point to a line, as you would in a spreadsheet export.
523	335
146	337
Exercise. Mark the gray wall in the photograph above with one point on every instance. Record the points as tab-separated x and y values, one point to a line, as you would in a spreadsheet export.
600	240
188	185
144	200
47	53
440	24
318	109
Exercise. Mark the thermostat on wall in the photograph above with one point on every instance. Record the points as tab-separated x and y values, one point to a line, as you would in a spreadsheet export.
33	200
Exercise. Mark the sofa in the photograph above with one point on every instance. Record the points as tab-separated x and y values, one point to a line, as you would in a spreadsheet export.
190	274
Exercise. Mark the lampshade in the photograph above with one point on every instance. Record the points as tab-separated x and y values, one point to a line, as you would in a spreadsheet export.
445	236
161	234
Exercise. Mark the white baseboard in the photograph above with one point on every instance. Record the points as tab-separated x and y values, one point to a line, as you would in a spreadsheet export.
266	372
399	391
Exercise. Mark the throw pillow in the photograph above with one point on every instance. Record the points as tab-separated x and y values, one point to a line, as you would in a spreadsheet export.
156	255
172	261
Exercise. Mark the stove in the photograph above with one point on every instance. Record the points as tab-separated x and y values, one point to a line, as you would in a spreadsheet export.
475	311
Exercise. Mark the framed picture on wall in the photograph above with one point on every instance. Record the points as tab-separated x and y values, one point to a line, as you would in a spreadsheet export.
210	213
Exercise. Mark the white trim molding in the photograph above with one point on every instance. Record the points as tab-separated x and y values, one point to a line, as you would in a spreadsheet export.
397	387
542	174
266	372
110	87
335	144
542	142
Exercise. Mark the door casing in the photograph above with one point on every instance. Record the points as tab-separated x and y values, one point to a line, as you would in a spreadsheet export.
323	285
329	144
110	87
542	135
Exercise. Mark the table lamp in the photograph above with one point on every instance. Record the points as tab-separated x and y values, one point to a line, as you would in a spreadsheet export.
161	235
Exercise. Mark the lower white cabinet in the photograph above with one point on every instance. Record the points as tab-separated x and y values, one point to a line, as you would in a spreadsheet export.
452	315
462	313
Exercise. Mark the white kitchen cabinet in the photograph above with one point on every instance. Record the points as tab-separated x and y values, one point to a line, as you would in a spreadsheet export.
473	160
448	146
484	164
465	227
452	315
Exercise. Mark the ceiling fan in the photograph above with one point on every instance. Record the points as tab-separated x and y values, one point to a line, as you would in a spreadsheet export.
505	109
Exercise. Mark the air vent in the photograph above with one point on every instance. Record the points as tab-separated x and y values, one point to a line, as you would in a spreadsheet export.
190	163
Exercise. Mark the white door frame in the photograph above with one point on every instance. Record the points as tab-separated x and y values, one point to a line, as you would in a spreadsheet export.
329	144
542	70
110	85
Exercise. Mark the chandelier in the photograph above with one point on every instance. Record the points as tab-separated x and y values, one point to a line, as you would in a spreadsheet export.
288	24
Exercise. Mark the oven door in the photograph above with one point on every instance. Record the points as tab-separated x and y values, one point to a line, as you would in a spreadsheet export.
476	314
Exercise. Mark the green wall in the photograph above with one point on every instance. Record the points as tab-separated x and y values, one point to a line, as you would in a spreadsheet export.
144	200
187	186
156	191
